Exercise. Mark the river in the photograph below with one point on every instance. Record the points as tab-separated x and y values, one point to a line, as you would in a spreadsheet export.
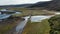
5	16
22	24
39	18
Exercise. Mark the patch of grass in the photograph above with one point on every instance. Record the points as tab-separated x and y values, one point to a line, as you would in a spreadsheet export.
37	28
6	27
27	11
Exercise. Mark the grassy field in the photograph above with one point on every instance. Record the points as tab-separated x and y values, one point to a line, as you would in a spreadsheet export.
37	28
26	11
7	26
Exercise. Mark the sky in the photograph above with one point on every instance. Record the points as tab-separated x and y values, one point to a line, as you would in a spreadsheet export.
11	2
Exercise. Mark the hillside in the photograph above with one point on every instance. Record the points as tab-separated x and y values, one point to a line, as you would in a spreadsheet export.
54	5
40	4
49	5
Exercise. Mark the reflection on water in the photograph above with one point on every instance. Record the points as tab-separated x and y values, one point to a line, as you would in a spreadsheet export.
18	13
21	25
4	16
38	18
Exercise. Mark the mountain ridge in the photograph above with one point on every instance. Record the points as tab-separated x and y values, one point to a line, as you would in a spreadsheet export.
20	5
40	4
49	5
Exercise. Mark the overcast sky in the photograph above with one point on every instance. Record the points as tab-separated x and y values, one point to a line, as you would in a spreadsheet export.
9	2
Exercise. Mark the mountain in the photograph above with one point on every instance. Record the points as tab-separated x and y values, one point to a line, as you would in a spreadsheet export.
54	5
10	6
49	5
40	4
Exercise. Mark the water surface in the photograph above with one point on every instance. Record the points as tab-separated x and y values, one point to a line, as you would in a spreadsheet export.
38	18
